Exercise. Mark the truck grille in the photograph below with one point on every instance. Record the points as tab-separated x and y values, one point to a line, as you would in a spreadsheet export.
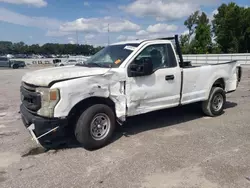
30	98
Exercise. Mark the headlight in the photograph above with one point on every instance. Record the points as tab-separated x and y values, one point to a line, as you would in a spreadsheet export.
49	99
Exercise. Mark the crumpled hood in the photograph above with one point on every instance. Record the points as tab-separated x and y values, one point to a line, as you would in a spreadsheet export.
45	76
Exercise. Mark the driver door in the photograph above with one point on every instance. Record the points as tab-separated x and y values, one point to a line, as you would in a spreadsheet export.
159	90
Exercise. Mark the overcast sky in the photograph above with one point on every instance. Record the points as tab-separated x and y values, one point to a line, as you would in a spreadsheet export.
42	21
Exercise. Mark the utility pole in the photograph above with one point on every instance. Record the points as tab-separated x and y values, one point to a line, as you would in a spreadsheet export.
76	37
108	34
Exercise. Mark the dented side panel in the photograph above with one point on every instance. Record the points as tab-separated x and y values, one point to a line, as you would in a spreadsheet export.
153	92
196	83
109	85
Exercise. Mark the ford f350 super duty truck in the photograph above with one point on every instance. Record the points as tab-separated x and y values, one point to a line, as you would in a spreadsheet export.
123	79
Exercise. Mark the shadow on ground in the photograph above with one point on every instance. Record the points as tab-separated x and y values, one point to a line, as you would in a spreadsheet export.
164	118
149	121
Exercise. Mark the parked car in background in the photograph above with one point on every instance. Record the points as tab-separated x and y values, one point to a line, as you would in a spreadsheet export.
56	61
65	63
10	56
6	62
21	56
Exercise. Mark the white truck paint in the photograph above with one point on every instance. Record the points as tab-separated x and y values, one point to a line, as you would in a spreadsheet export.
133	95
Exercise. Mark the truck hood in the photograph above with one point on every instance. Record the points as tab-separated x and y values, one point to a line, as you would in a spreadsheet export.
46	76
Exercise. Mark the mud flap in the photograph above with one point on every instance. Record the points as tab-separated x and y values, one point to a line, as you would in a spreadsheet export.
31	129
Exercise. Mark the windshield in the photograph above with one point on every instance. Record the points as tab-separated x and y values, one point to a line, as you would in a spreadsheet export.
110	56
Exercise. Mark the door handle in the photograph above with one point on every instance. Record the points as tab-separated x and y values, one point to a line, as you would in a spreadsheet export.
169	77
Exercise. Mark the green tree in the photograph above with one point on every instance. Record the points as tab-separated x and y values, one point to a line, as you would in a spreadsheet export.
34	49
5	47
190	23
20	48
215	48
245	38
231	27
184	43
203	40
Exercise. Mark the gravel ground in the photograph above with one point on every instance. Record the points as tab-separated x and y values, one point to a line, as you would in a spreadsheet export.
171	148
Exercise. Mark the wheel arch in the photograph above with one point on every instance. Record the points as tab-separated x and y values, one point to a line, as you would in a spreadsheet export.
85	103
220	82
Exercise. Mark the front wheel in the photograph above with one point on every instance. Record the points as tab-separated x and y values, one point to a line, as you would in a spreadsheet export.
95	126
215	104
15	66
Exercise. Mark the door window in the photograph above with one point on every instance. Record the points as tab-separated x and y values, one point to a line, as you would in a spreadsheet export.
162	55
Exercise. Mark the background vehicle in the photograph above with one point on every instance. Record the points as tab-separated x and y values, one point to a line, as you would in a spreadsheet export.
57	61
124	79
65	63
5	62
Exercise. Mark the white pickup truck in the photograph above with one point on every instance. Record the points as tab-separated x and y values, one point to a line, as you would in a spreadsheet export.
124	79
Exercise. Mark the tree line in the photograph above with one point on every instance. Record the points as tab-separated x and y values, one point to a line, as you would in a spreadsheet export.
7	47
227	32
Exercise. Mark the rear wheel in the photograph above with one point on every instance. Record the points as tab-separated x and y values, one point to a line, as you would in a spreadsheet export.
215	104
95	126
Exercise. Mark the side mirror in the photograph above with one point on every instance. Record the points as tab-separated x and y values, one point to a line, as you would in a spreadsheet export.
141	67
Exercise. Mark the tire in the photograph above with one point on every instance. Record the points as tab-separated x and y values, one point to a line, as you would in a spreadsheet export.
214	106
15	66
61	65
86	132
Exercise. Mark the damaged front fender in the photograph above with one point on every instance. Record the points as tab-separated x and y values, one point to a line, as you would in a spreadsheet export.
110	85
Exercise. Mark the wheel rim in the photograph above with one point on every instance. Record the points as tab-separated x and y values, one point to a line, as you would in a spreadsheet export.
217	102
100	126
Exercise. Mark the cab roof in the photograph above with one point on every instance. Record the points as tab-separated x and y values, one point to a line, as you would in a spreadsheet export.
136	41
128	42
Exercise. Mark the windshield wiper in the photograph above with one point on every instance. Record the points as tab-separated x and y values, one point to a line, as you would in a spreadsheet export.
89	64
93	64
96	64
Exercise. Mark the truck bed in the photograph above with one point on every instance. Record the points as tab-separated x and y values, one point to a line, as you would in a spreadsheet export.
198	80
188	64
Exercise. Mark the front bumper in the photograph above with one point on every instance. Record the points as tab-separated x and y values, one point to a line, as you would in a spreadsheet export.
47	132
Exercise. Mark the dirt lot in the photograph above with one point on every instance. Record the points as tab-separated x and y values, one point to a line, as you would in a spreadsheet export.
170	148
